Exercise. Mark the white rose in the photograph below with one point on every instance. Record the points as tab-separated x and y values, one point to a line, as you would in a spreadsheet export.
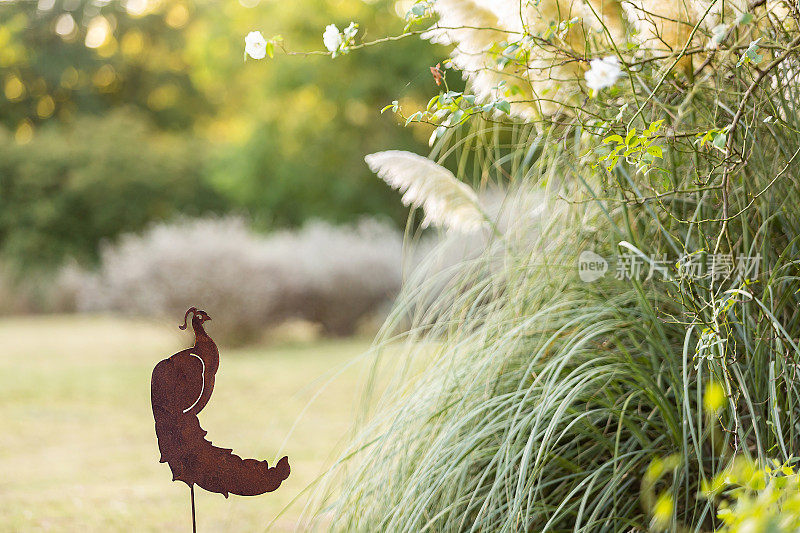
603	73
332	38
255	45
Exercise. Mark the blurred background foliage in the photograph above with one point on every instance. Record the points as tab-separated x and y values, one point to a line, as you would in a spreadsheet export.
116	114
68	189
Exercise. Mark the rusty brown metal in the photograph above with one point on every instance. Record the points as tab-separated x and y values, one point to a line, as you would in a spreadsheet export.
180	388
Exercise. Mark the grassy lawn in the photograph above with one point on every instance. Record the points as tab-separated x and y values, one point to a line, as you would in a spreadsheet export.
77	446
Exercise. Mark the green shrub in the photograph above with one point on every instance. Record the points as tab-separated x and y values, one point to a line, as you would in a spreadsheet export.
73	187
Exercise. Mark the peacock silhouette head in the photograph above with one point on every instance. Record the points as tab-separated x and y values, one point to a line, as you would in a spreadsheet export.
198	317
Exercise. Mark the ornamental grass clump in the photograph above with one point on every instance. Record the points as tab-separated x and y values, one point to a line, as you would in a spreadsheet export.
526	398
528	395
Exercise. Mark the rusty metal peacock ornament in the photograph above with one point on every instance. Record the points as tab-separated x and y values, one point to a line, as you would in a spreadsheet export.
180	388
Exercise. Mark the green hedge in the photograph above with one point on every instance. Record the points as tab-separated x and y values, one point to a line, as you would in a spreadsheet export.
70	188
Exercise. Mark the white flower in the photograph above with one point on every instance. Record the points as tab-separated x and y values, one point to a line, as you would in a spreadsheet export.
603	73
255	45
446	201
332	38
350	31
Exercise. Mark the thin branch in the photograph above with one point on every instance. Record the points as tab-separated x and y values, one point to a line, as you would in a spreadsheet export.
735	122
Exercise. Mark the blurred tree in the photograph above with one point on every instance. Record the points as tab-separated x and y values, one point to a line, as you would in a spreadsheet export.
294	130
61	58
282	139
70	188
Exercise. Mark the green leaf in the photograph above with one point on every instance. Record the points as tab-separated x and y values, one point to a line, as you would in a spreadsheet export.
418	10
751	54
504	106
708	136
416	116
614	138
655	151
394	106
449	95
